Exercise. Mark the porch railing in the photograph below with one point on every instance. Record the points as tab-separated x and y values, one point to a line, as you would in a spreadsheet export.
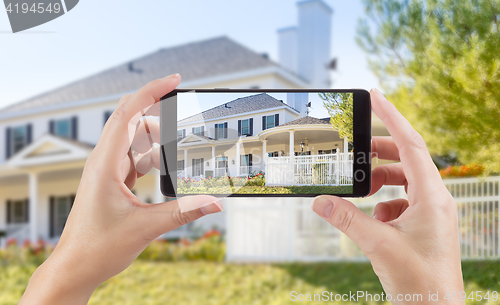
329	169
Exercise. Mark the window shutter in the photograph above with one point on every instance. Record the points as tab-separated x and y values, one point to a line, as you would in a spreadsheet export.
27	210
29	136
276	119
192	168
251	126
202	130
263	123
225	130
239	128
74	128
192	130
184	133
52	210
216	132
9	209
202	166
249	159
7	143
52	127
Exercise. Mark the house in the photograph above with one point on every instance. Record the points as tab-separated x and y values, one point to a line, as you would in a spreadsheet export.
260	133
47	138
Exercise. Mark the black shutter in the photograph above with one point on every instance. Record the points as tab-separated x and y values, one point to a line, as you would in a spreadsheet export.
9	209
192	131
184	133
192	167
52	127
202	166
239	128
250	162
74	128
225	130
7	143
202	130
251	127
276	119
27	210
216	132
320	152
52	210
264	123
29	134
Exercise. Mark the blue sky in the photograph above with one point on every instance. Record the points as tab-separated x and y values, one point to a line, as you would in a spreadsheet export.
97	35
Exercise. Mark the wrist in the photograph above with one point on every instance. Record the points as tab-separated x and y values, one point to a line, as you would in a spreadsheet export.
54	282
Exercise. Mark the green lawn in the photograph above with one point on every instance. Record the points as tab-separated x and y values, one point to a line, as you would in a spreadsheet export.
247	189
218	283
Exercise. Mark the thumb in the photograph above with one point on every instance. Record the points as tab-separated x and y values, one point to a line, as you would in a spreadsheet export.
167	216
365	231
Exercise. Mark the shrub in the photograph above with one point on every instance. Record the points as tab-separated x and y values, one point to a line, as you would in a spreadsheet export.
472	170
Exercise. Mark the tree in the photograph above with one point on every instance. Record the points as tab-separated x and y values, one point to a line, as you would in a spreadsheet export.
339	106
439	63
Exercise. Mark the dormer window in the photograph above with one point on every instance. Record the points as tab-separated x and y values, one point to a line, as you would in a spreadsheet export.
199	130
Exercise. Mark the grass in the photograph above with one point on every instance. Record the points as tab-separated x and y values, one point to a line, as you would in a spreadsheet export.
148	282
313	189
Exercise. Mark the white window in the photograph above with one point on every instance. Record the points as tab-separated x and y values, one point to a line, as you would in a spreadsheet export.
198	167
18	211
220	131
270	121
198	130
62	128
245	126
180	135
180	165
19	138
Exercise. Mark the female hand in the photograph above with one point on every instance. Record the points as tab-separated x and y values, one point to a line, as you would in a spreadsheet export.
108	226
412	244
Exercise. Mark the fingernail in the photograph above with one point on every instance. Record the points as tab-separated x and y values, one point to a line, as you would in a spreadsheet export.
176	75
374	216
376	91
322	206
214	207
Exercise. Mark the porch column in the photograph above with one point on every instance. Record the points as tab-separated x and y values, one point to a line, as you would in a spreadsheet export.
213	159
33	205
185	163
238	158
264	153
292	155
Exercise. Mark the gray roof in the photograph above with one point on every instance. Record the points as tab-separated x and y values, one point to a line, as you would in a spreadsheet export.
241	105
307	120
212	57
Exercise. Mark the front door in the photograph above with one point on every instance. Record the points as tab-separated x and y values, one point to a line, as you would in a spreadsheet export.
221	165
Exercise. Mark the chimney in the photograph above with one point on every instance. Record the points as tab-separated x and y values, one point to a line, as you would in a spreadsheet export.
287	48
298	101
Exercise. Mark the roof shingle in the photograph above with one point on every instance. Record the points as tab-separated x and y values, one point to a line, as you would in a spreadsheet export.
307	120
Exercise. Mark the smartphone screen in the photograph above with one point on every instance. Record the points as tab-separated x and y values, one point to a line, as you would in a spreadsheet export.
277	143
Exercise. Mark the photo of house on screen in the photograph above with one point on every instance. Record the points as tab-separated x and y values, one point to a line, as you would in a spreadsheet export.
268	139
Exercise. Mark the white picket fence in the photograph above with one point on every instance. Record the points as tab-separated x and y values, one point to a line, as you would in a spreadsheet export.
328	169
286	229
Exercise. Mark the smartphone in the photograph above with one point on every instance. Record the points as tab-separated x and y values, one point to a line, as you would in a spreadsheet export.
265	142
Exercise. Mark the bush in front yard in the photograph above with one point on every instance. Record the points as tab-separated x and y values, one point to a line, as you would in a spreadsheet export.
471	170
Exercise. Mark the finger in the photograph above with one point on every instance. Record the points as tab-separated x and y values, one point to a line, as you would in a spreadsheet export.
384	148
120	128
387	174
417	163
167	216
389	210
154	110
155	156
345	216
143	163
147	133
